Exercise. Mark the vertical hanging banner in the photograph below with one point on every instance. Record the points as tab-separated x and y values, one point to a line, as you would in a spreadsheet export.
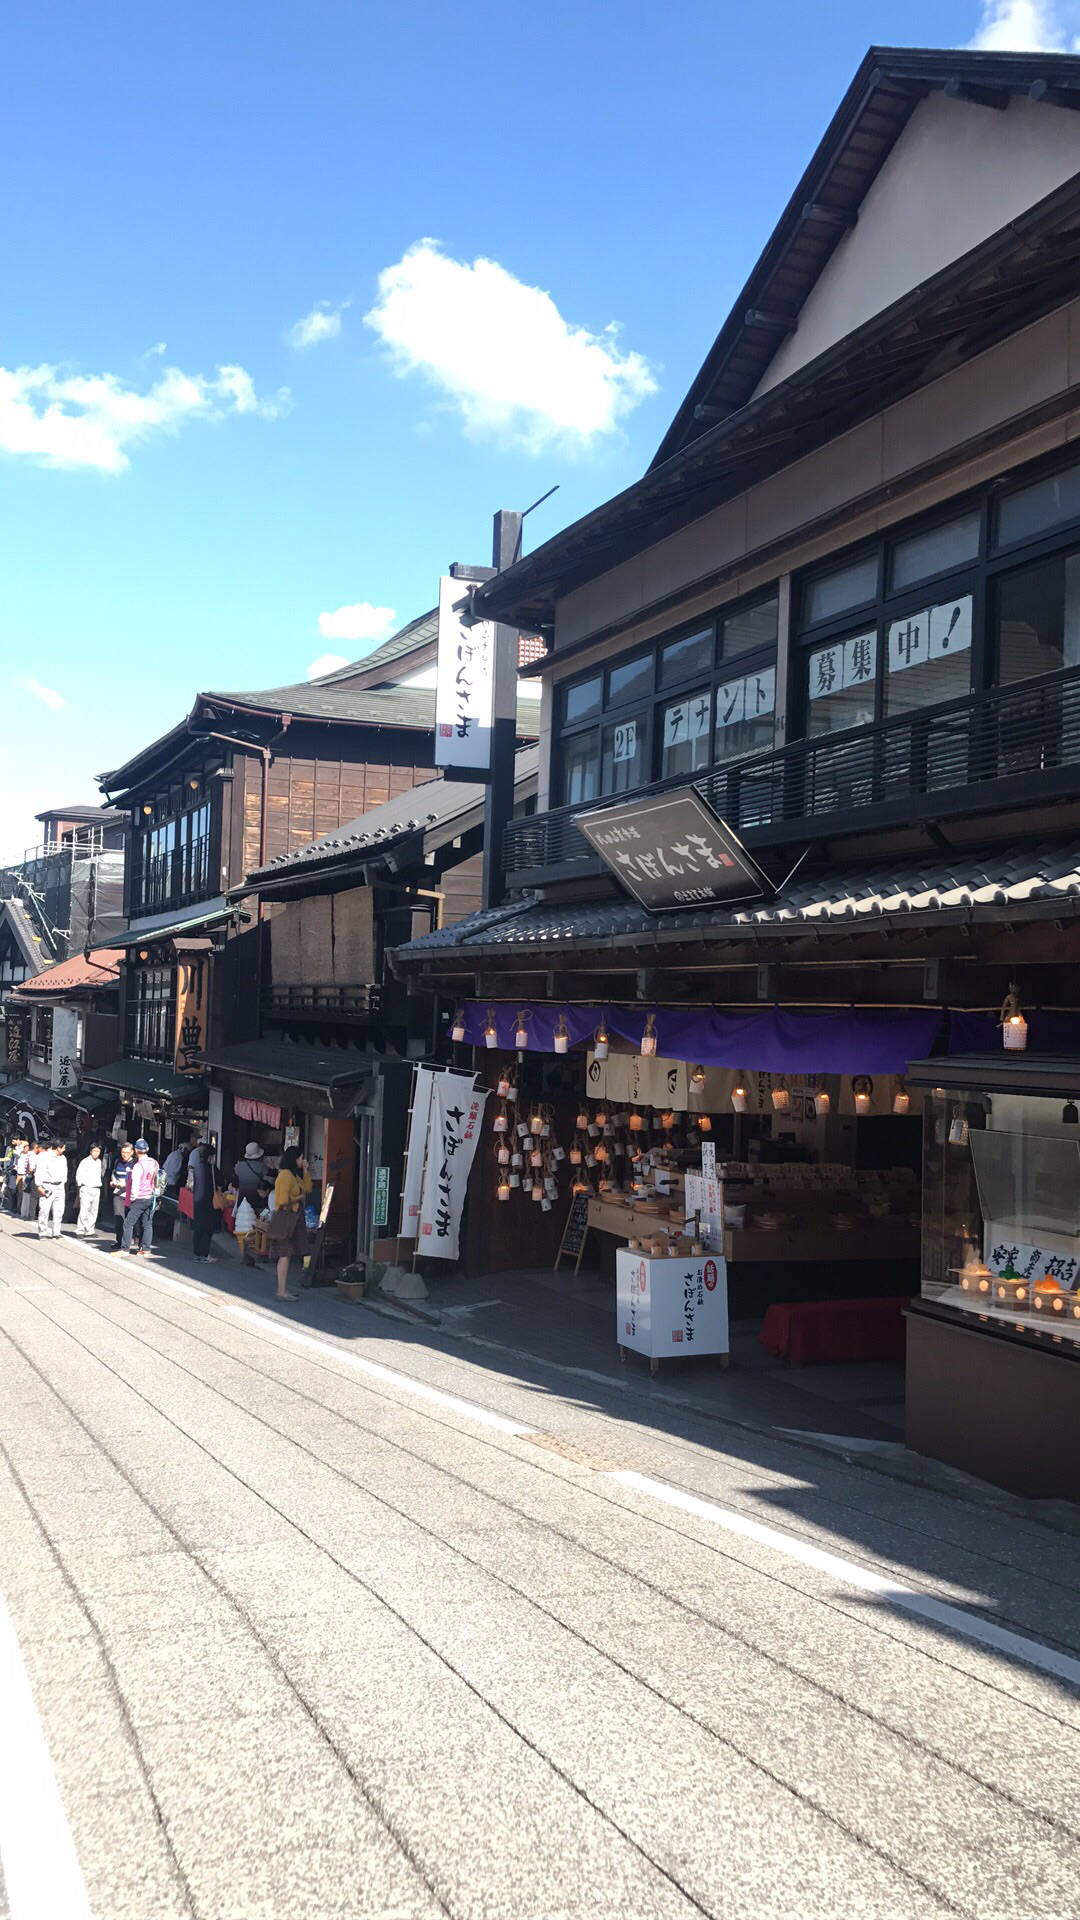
465	682
456	1112
413	1183
65	1050
190	1016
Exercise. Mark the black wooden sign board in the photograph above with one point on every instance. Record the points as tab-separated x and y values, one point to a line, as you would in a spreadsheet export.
671	850
577	1226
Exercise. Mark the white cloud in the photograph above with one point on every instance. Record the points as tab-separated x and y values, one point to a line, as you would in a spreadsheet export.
322	323
502	353
47	695
1022	26
326	663
359	622
61	419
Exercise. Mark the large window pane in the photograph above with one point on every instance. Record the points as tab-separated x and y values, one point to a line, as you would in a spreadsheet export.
840	684
935	551
580	702
753	627
1039	619
686	729
1037	509
693	654
581	770
928	656
834	593
744	714
623	764
631	681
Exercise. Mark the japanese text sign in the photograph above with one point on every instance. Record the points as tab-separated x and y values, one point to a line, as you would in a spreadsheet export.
671	850
453	1131
465	682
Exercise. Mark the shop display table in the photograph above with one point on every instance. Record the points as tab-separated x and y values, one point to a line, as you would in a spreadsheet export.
671	1307
813	1332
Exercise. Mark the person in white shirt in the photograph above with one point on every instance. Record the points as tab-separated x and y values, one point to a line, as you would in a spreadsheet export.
88	1177
50	1178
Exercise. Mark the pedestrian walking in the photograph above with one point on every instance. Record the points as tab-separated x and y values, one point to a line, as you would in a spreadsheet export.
206	1198
141	1195
29	1196
89	1175
118	1183
11	1176
288	1235
50	1178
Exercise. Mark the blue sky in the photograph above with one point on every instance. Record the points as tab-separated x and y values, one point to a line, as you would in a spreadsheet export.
190	475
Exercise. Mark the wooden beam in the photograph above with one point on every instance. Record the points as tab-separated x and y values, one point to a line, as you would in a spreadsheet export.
773	322
1046	93
997	97
829	216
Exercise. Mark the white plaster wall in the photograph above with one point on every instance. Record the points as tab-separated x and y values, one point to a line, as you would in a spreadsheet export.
957	174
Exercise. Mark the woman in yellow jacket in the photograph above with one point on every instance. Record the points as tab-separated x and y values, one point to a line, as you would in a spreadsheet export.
288	1235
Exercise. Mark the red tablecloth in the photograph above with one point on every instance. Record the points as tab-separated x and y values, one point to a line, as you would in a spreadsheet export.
185	1200
808	1331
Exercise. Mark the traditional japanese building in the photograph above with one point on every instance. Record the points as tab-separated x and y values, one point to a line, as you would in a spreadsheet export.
809	787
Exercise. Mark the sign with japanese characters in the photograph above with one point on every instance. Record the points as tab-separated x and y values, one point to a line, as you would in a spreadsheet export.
453	1131
465	682
64	1077
1053	1257
190	1015
18	1037
845	663
932	634
671	1308
671	850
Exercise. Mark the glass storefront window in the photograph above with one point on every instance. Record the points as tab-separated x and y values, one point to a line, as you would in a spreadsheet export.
753	627
681	658
630	681
744	714
938	550
623	763
832	594
581	770
580	702
1001	1211
687	730
1038	623
1037	509
840	683
928	656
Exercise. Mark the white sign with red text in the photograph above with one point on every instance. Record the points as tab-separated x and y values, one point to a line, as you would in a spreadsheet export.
465	681
671	1308
457	1109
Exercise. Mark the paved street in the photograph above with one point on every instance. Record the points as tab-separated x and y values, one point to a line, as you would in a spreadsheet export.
368	1624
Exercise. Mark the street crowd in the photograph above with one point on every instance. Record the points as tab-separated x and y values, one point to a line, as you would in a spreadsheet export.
140	1198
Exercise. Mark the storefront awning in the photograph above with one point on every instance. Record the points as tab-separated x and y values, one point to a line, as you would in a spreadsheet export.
149	1080
322	1080
31	1094
778	1040
170	926
1054	1075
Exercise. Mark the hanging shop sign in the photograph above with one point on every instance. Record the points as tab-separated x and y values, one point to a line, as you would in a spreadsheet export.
190	1016
260	1110
17	1037
64	1076
381	1206
465	682
671	850
453	1131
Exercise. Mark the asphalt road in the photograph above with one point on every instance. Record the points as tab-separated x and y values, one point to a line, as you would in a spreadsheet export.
367	1625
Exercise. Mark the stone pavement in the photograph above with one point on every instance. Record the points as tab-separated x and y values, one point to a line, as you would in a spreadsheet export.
328	1613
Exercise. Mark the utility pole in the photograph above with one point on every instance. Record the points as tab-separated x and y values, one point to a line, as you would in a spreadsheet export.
499	800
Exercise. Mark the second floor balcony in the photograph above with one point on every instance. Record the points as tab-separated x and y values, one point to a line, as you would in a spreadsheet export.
1006	748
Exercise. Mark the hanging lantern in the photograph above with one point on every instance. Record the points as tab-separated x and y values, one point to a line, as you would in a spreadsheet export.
603	1117
582	1120
536	1120
500	1124
457	1030
491	1035
502	1191
562	1035
636	1121
503	1085
648	1038
739	1093
575	1156
781	1099
503	1156
667	1119
822	1100
958	1127
901	1098
862	1087
538	1190
601	1152
601	1042
1014	1029
578	1185
704	1121
521	1037
697	1079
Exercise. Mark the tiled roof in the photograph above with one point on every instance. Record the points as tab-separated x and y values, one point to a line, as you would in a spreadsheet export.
22	927
436	807
292	1063
975	883
102	969
320	700
419	633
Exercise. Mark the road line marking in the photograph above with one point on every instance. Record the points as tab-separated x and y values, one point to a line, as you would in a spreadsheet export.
484	1415
883	1586
41	1868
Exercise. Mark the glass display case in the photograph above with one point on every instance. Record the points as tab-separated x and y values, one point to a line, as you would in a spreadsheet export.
1001	1209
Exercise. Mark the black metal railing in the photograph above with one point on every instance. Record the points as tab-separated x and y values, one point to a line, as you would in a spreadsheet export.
1022	740
326	1002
